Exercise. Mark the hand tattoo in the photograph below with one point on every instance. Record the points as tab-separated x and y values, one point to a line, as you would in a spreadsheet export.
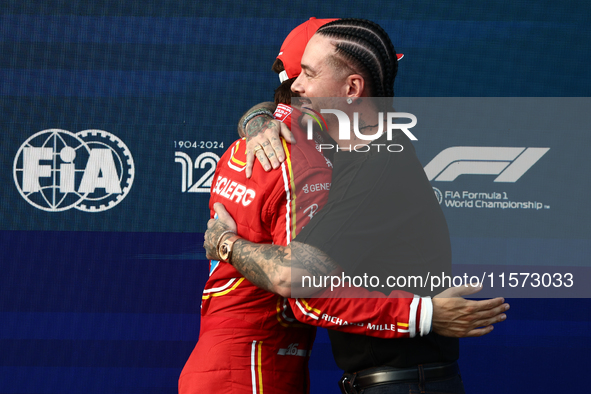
258	125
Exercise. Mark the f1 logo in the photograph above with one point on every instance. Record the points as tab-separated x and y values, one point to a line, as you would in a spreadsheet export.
508	163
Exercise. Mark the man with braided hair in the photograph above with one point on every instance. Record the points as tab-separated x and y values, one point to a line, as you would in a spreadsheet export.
364	48
380	208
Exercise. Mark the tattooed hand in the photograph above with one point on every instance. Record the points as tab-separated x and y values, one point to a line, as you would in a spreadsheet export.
215	228
265	132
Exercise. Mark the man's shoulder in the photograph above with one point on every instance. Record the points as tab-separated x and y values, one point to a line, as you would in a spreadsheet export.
236	154
307	154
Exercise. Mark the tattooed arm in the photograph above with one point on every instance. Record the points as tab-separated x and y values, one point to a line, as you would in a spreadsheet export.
268	105
279	268
264	131
271	267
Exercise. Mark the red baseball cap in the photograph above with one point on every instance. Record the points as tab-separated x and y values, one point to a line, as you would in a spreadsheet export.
293	47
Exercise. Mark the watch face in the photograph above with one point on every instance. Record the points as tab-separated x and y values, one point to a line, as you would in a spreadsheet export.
224	251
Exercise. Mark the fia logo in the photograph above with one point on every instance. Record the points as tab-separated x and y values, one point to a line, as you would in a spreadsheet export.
206	161
55	170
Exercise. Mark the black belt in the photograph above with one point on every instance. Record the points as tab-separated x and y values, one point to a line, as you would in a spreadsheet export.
351	383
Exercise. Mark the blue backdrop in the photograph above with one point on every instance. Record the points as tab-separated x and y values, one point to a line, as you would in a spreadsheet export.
100	293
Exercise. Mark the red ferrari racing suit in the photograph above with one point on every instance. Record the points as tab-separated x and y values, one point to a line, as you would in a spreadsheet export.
251	340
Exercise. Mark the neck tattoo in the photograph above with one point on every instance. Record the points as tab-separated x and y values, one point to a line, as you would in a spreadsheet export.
366	127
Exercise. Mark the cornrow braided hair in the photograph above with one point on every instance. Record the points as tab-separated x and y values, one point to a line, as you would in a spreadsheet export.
366	47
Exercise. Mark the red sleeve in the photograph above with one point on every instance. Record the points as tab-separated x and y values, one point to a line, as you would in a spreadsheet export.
396	316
